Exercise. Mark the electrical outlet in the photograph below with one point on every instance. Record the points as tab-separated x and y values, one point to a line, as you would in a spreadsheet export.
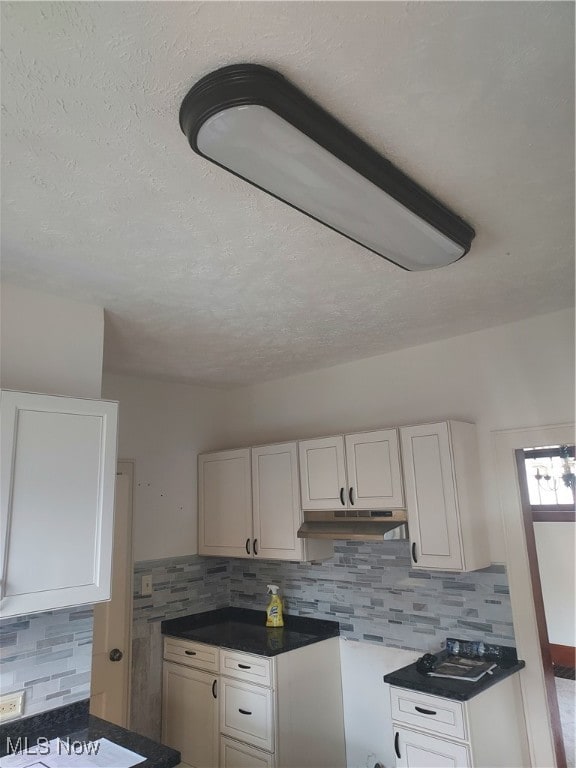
11	705
146	588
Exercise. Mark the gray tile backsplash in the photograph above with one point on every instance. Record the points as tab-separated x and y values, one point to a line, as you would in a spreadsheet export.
180	585
49	655
370	588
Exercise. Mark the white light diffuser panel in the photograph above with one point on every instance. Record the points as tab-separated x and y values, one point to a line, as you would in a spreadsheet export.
257	144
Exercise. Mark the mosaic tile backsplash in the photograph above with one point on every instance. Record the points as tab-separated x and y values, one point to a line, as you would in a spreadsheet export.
180	585
369	587
48	655
372	590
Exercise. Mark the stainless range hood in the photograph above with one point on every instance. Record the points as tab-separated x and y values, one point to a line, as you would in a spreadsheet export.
358	524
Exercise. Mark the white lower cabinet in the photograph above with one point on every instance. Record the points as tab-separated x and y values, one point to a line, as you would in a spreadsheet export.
247	713
190	714
420	750
235	754
275	712
487	731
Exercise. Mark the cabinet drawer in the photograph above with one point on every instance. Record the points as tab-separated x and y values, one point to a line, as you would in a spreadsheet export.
246	713
234	754
198	655
443	716
246	666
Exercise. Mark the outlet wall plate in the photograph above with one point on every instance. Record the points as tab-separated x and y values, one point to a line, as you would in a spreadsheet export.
146	588
11	705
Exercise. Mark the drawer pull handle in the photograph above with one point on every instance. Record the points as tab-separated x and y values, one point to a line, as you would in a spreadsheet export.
244	712
190	653
214	684
244	666
396	745
425	711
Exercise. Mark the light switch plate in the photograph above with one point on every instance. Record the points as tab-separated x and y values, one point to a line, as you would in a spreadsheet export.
11	705
146	588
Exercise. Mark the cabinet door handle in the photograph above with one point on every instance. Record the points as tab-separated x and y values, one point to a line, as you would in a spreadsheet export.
244	712
247	546
214	689
350	492
190	653
397	745
414	553
255	546
425	711
244	666
342	497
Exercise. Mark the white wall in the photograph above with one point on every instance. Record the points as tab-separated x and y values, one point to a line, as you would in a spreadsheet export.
162	427
367	714
515	375
555	544
50	345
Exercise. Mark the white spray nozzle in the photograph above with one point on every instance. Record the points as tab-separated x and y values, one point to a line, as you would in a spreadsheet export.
272	588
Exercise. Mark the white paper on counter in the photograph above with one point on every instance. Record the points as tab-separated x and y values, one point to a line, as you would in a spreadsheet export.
101	753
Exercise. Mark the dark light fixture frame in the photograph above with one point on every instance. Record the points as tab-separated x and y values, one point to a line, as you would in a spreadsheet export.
253	84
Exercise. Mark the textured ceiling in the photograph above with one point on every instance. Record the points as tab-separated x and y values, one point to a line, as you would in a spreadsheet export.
205	278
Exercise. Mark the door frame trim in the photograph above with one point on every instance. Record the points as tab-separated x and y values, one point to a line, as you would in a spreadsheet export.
127	466
532	678
538	598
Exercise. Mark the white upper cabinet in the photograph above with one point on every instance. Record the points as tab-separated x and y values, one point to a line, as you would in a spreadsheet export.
446	519
323	473
276	502
357	471
249	505
373	466
225	504
276	506
57	501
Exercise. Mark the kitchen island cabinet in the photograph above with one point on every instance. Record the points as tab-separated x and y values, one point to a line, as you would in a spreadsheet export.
74	722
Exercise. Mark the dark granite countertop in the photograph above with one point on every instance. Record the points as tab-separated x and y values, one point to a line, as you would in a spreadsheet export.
74	722
242	629
409	677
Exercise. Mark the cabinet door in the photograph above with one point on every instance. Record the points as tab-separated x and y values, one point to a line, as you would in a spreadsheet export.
276	502
431	497
57	501
373	465
190	714
323	473
225	504
235	754
420	750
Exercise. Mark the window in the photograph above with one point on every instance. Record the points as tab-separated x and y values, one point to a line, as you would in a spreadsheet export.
551	481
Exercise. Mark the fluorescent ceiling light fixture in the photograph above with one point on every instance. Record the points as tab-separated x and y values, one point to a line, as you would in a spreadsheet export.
253	122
